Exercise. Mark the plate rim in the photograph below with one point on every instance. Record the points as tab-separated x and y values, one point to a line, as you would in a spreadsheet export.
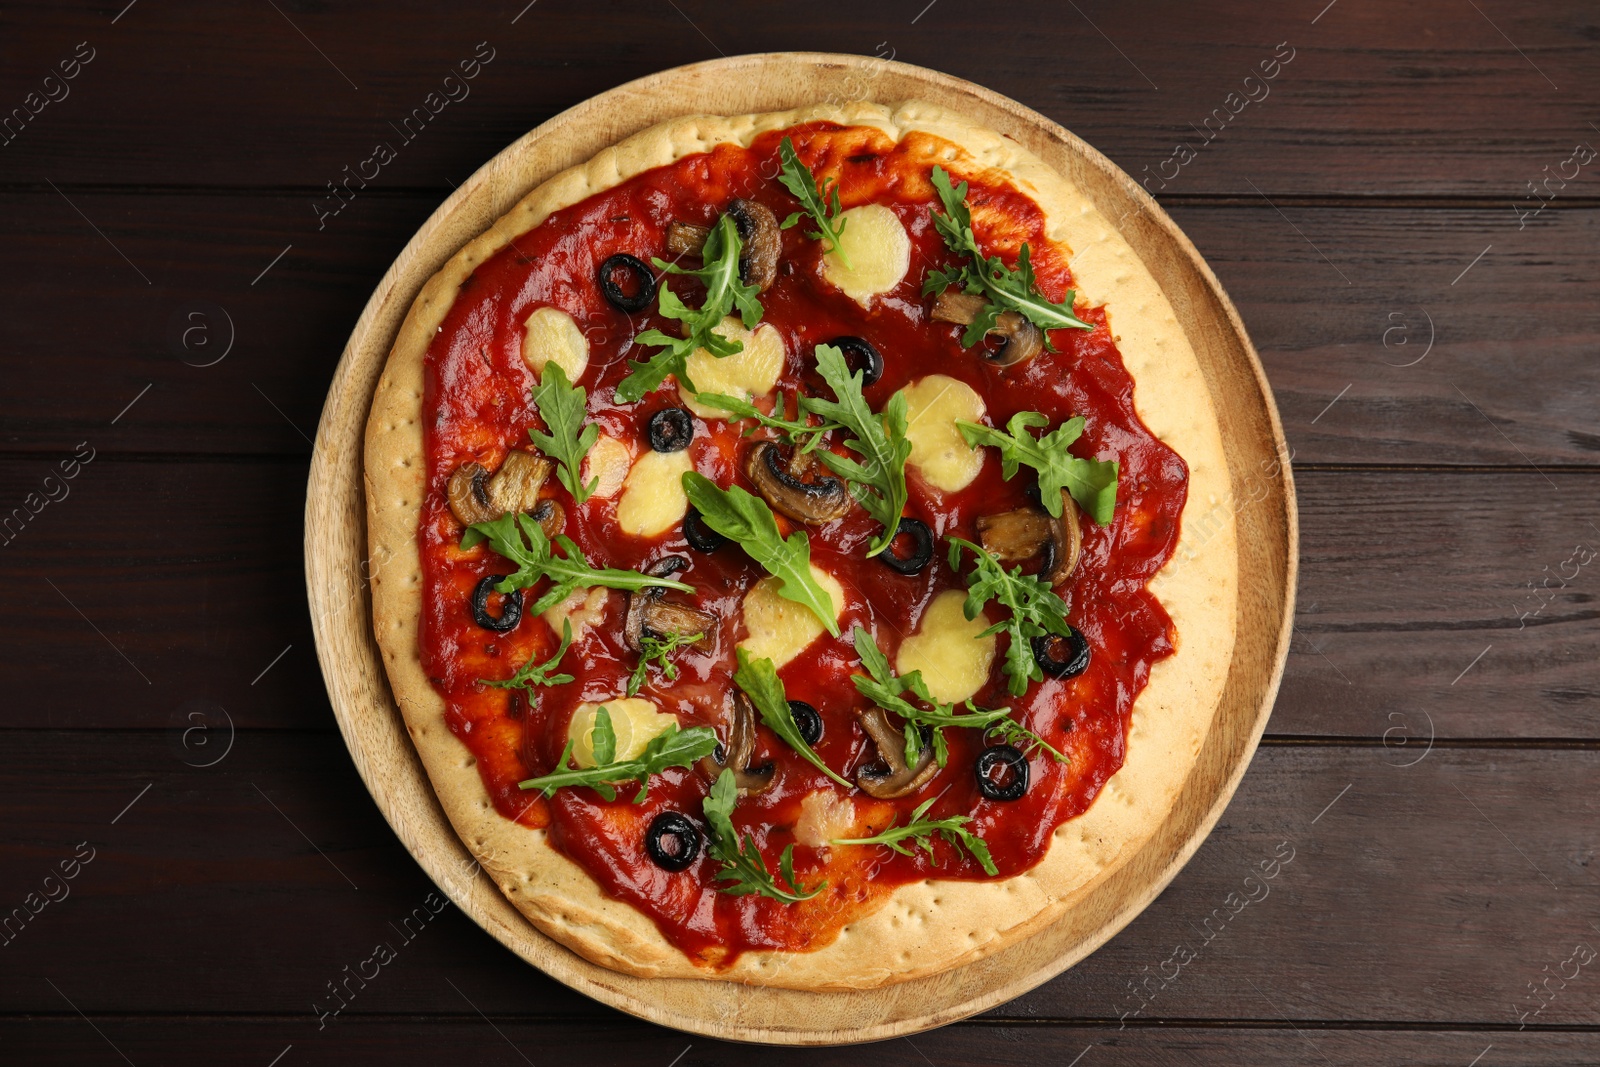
338	449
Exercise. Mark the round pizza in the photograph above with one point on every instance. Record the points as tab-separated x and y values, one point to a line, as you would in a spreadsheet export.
785	576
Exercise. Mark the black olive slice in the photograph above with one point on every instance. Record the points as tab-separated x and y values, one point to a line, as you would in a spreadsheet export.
1012	765
672	841
510	614
807	719
645	293
860	355
701	537
670	430
921	548
1062	657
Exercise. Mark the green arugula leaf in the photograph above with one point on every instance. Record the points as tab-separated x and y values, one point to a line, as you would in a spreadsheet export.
742	865
745	518
603	737
674	748
1092	482
819	202
760	682
886	689
1005	288
798	431
532	674
1035	610
719	271
920	831
519	539
878	479
563	407
660	650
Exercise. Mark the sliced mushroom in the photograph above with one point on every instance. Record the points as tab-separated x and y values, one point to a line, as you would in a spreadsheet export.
641	599
736	753
475	496
758	230
649	613
900	779
550	516
468	492
814	502
662	617
1022	340
686	239
1067	541
1013	536
953	305
515	486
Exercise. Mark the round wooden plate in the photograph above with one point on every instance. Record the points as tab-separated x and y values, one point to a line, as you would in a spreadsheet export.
336	546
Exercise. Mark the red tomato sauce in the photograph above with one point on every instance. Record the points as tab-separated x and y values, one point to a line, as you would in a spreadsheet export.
477	406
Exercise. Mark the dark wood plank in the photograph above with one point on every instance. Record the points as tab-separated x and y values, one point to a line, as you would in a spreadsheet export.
236	358
1387	340
247	922
233	889
192	571
505	1042
1423	608
158	588
1523	317
1431	97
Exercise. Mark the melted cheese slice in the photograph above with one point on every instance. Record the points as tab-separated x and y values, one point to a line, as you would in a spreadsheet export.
653	499
953	659
633	719
607	464
879	250
933	404
746	374
780	629
583	608
550	334
824	815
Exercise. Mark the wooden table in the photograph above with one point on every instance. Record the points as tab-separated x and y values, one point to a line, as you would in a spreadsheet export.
1403	220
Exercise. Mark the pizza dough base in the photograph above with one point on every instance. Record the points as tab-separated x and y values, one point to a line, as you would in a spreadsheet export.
922	928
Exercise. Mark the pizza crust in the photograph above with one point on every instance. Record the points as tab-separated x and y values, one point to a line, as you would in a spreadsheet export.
926	927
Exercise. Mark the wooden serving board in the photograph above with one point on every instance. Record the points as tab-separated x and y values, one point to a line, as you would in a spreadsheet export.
336	545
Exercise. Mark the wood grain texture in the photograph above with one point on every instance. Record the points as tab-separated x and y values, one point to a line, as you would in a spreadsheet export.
66	1039
1399	141
1387	340
352	666
246	376
1429	97
1528	304
1409	576
1402	904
